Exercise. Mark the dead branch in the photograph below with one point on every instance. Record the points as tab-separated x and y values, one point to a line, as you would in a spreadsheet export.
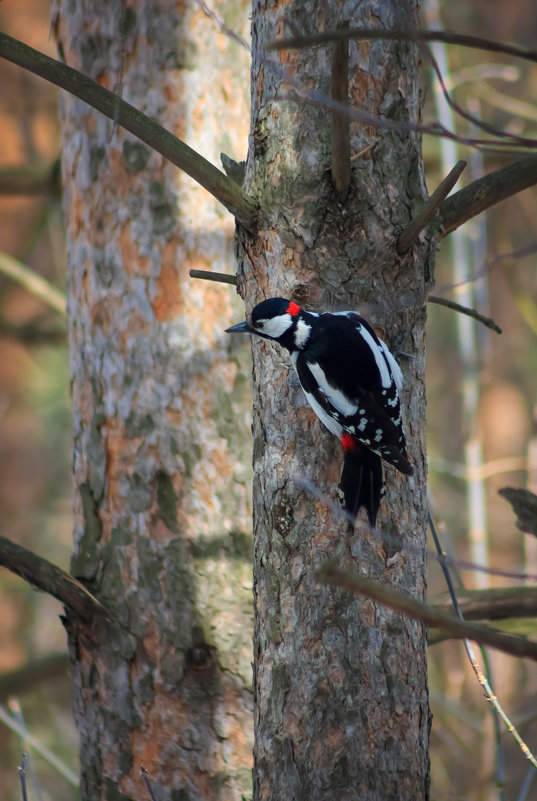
208	275
365	34
50	578
147	130
31	179
498	603
401	602
30	676
341	146
450	304
486	192
429	209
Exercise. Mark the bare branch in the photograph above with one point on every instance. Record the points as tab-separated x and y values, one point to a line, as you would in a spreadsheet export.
365	34
450	304
401	602
498	603
208	275
22	776
476	121
32	334
206	174
33	282
50	578
31	179
341	145
428	211
28	677
486	192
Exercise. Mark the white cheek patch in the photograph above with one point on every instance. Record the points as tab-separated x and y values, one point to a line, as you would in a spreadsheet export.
275	326
338	400
302	333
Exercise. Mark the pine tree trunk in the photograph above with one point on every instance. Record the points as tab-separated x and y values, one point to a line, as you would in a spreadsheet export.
160	413
340	683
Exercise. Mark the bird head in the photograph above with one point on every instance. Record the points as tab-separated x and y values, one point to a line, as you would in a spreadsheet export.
274	318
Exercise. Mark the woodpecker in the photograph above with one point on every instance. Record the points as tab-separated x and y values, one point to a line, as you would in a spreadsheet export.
351	381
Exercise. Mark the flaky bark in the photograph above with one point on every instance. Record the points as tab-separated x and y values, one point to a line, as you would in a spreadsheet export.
340	684
161	523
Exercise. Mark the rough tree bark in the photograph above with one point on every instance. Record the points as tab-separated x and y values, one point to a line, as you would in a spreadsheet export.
161	441
340	684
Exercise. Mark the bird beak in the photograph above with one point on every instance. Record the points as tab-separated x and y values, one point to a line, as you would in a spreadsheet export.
240	328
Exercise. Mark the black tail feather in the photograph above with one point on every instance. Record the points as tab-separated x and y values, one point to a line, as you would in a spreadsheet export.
361	482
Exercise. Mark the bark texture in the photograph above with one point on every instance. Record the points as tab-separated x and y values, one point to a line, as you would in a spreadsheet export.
340	684
161	435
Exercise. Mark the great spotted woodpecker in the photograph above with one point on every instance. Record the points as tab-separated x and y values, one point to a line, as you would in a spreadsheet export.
351	381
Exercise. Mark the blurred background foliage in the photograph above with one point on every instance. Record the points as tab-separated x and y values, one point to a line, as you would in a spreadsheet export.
35	504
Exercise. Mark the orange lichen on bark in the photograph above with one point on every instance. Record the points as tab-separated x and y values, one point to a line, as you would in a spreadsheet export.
213	301
133	263
138	326
117	445
74	214
123	181
169	302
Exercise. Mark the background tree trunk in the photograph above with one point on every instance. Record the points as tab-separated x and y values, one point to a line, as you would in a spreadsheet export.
340	684
161	440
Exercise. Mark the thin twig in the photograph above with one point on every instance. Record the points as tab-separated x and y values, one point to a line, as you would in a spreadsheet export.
364	150
482	679
402	602
22	776
429	209
206	174
208	275
494	603
365	34
461	564
360	153
471	118
33	282
450	304
145	776
38	747
488	266
341	147
433	130
401	126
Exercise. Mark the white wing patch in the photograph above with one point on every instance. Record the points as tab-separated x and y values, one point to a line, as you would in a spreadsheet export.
379	352
396	370
330	422
339	401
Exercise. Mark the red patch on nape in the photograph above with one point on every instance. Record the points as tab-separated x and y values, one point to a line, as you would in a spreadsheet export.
293	309
348	442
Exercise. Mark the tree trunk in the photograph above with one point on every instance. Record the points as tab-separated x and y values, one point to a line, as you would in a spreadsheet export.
340	684
160	435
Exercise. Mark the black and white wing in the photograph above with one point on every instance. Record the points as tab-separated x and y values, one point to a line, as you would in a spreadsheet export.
352	382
